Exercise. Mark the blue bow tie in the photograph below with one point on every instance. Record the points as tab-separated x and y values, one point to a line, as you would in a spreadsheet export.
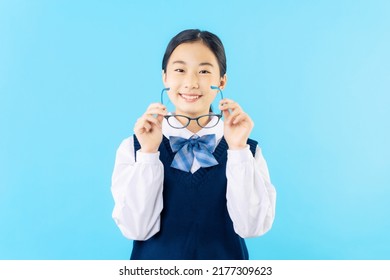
187	149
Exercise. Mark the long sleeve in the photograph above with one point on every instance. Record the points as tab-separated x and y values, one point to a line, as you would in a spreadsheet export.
250	195
137	190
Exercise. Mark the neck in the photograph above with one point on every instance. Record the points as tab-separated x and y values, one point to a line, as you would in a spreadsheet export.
193	127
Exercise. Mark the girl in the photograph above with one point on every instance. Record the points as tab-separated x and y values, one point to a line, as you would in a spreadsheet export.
188	185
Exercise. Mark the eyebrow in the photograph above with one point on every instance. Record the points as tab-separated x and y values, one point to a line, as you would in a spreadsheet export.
200	64
206	63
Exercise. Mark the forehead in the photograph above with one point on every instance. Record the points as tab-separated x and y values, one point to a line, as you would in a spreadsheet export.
193	53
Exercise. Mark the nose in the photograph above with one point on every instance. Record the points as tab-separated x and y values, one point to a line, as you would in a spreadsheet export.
191	81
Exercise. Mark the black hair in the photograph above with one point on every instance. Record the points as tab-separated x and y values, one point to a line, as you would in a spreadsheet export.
193	35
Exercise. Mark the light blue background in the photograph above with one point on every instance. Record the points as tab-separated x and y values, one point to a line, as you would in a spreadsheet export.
314	76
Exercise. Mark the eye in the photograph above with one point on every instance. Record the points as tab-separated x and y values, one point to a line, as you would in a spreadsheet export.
204	72
179	70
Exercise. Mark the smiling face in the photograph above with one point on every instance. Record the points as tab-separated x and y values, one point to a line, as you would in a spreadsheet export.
191	70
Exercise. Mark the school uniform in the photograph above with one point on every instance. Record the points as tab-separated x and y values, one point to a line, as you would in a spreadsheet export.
201	214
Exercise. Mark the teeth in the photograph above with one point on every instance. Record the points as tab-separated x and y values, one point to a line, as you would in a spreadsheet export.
190	97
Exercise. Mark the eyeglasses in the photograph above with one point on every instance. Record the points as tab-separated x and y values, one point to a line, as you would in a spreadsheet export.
180	121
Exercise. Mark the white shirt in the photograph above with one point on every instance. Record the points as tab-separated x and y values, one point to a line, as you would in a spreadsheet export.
137	188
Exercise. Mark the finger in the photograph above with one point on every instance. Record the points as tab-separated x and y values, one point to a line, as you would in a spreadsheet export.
233	115
160	118
240	118
223	103
244	119
140	129
226	100
146	123
156	112
226	114
156	109
157	106
225	111
147	127
235	112
141	126
152	120
229	106
233	119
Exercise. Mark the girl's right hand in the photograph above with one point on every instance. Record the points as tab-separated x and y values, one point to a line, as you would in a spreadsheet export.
148	128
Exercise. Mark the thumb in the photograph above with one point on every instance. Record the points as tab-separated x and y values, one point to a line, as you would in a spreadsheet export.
160	118
226	115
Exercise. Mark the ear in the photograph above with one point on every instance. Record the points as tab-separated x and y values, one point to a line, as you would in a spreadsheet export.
223	82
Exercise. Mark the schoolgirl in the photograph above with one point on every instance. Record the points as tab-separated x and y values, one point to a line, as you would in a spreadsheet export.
187	184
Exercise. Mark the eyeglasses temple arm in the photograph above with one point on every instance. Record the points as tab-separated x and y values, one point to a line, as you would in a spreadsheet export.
219	90
162	94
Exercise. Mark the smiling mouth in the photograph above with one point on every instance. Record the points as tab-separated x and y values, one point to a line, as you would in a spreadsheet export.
190	97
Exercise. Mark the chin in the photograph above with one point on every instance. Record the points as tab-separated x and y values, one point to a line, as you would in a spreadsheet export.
189	110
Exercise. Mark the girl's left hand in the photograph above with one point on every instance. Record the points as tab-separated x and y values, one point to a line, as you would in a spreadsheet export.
237	125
